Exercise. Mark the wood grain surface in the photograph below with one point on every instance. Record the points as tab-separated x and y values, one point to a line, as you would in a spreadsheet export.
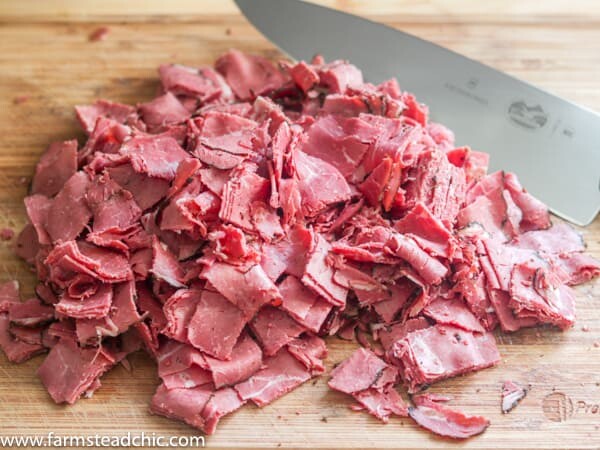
45	55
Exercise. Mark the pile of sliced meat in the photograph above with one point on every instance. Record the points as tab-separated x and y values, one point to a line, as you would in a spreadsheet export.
249	211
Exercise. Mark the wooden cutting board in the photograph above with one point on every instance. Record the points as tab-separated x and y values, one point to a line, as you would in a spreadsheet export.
46	56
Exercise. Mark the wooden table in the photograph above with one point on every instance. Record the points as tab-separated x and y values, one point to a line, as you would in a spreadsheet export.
45	54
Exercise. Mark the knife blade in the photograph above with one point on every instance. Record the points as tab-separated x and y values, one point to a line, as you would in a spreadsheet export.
553	145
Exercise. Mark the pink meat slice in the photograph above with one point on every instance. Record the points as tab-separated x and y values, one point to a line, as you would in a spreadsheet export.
146	190
340	141
16	350
216	325
274	328
427	230
163	111
288	255
156	157
242	189
165	266
310	351
223	402
96	306
30	313
179	309
381	403
400	294
69	213
441	351
318	273
249	75
69	371
248	289
538	293
396	331
182	404
112	207
357	373
446	422
175	357
303	305
203	83
246	359
453	312
281	374
320	184
55	167
87	115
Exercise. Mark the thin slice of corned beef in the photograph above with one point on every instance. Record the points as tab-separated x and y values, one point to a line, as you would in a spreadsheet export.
165	266
370	381
216	325
87	115
453	312
178	310
69	371
310	351
318	274
577	268
146	190
357	373
245	359
182	404
30	313
428	267
500	301
320	184
274	328
428	231
72	257
288	255
95	306
203	83
163	111
302	304
157	156
537	292
396	331
55	167
249	75
16	350
400	294
438	352
191	377
175	357
112	207
223	402
247	288
69	213
281	374
444	421
243	188
340	141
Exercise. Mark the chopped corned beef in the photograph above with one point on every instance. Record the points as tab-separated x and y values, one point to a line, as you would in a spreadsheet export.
443	351
254	208
444	421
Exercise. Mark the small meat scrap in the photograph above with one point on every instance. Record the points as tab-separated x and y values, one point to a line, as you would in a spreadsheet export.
99	34
251	211
444	421
6	234
370	380
512	394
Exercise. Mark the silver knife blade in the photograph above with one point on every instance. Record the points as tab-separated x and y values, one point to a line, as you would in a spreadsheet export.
553	145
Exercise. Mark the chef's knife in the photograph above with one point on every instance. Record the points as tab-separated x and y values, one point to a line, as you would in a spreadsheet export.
552	145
